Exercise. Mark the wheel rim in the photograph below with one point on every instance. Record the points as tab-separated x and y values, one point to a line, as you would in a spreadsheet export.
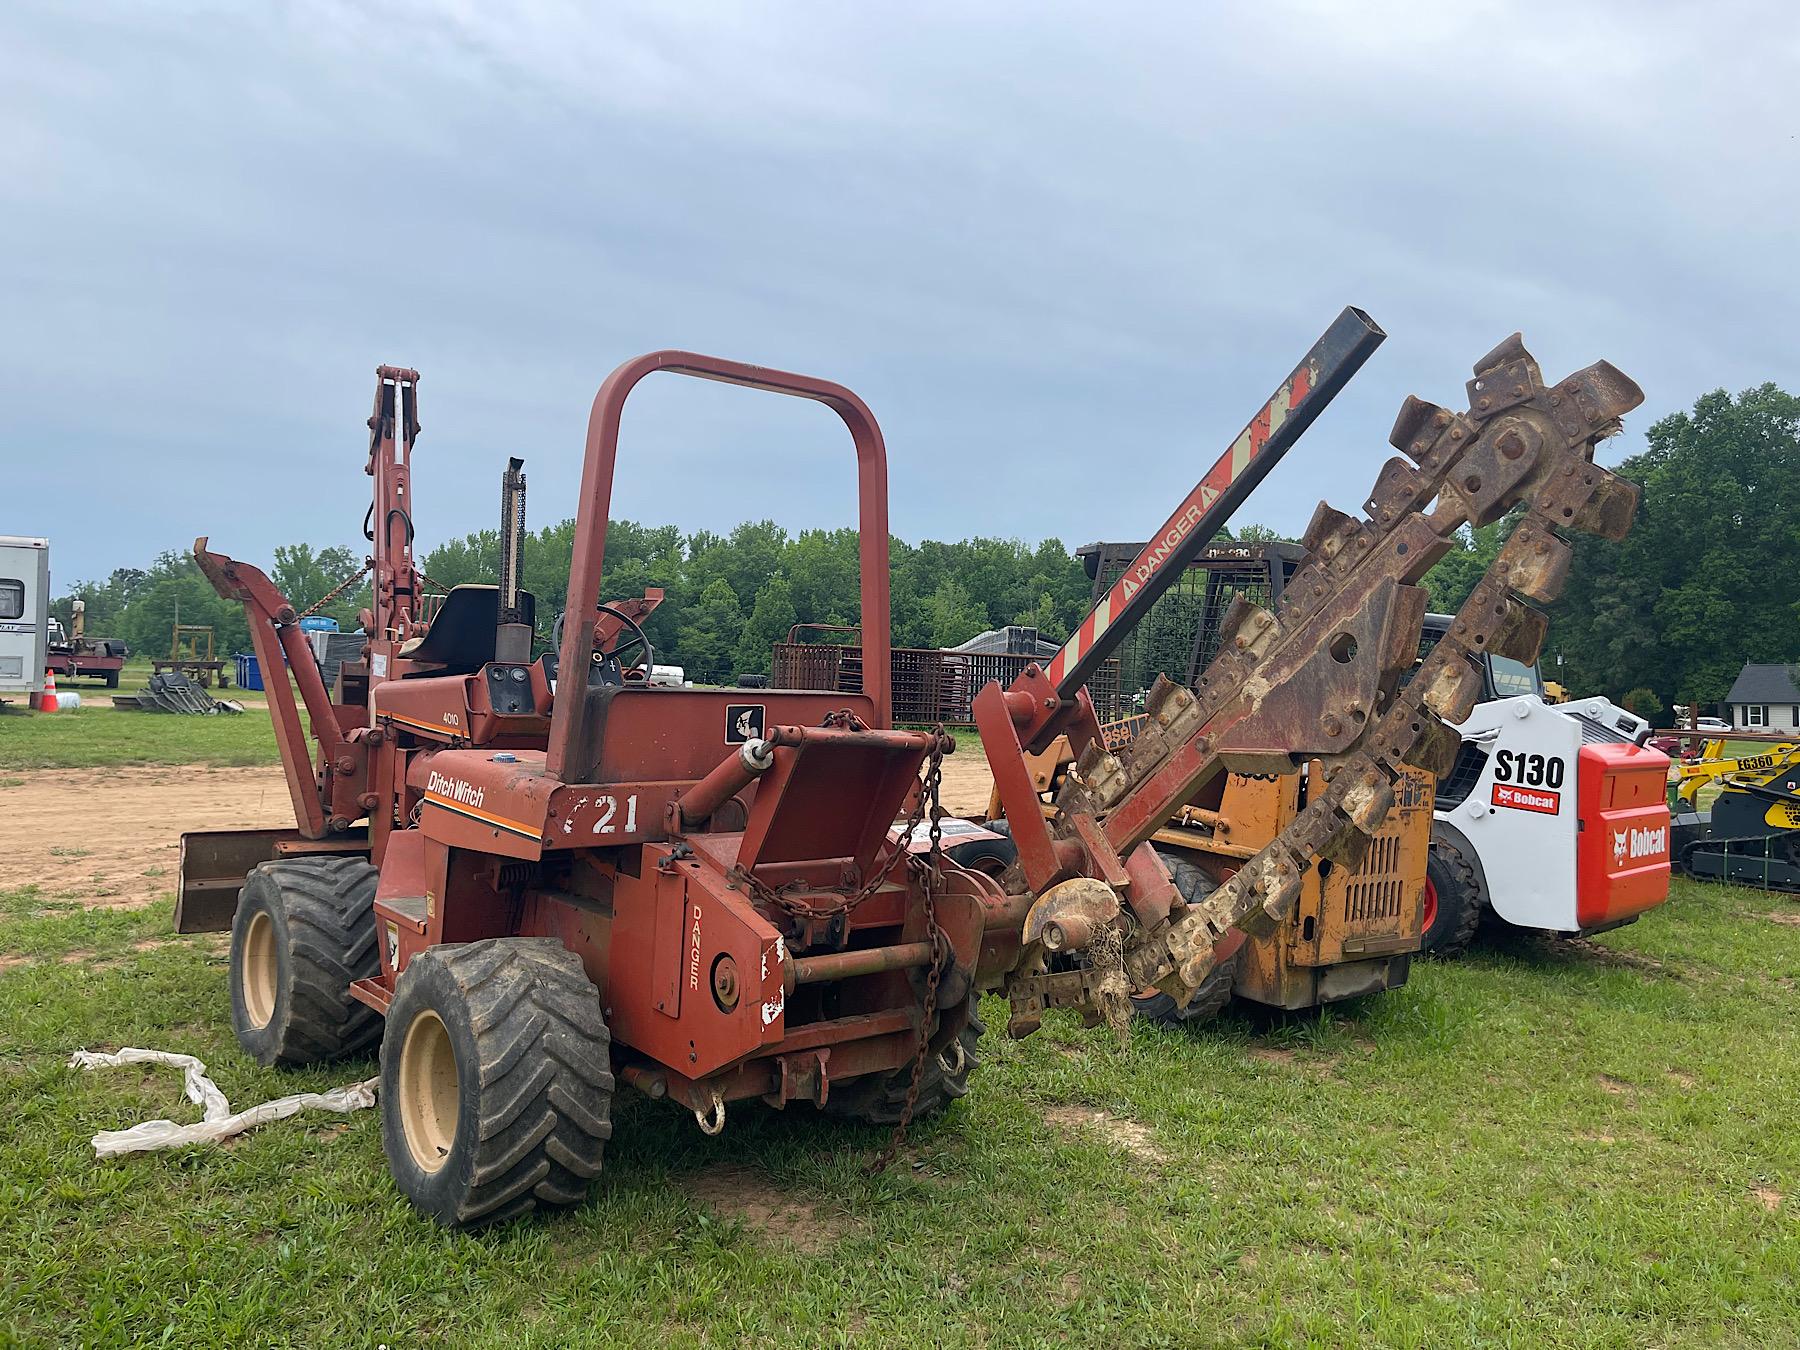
1430	907
430	1091
258	971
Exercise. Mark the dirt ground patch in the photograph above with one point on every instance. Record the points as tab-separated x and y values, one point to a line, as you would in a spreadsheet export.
776	1216
1129	1135
111	838
966	783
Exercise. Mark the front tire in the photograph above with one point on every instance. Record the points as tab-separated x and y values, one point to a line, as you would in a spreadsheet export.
1454	900
496	1080
303	932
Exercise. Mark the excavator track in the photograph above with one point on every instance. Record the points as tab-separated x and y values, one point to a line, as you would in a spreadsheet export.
1317	678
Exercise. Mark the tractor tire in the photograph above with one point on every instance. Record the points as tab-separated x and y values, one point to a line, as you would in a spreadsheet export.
496	1080
1215	992
988	856
879	1098
1454	902
304	930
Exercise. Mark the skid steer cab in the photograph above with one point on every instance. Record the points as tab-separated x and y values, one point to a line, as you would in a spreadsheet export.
1554	817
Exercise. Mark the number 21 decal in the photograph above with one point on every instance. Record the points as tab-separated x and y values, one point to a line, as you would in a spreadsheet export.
608	806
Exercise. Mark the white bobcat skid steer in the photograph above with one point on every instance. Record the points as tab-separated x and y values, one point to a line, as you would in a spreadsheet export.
1555	818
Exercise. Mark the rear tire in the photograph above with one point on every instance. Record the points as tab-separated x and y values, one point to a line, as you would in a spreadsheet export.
879	1098
1454	901
304	930
496	1080
112	679
1215	991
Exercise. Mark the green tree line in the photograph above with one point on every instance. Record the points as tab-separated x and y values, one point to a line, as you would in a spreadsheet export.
1669	614
729	598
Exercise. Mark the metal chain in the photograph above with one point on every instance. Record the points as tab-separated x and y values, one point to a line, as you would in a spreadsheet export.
335	592
931	874
927	807
879	871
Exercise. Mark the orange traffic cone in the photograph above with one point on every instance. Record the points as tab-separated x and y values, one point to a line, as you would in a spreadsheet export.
47	699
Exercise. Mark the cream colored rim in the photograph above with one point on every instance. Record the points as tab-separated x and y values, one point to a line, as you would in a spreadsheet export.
430	1097
259	971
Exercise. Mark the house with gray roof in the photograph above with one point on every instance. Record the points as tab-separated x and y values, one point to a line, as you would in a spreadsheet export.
1764	698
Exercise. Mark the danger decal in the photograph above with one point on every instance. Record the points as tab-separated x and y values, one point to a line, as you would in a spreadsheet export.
1527	799
1227	470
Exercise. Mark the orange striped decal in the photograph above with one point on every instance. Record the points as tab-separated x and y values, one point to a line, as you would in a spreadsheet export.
474	813
437	727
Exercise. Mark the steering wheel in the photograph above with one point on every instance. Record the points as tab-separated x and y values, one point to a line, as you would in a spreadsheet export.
607	665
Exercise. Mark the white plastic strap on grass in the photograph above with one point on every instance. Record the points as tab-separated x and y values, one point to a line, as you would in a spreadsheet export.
219	1121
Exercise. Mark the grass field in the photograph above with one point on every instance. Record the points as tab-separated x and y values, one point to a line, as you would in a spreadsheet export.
1587	1144
94	737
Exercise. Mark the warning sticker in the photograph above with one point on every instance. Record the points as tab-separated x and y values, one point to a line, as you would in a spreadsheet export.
1527	799
744	722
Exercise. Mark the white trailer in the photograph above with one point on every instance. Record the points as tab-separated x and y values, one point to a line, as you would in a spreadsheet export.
24	613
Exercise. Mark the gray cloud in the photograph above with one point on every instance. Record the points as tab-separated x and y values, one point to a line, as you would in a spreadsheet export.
1062	250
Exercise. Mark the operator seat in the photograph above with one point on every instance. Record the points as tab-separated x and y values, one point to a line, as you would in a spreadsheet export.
461	637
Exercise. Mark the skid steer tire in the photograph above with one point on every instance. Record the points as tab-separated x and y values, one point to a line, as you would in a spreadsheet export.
1454	902
496	1080
879	1098
1215	991
304	929
989	856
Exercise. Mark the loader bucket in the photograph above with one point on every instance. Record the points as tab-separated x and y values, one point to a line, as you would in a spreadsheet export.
214	864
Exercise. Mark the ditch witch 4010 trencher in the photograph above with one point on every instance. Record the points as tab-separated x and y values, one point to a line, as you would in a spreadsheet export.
531	878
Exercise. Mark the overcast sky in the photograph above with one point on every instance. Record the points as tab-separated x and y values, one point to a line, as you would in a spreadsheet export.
1063	251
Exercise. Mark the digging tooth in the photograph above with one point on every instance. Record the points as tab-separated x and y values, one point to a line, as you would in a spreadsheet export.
1394	472
1245	624
1611	510
1326	524
1436	749
1417	426
1510	348
1534	563
1603	393
1452	690
1347	847
1520	632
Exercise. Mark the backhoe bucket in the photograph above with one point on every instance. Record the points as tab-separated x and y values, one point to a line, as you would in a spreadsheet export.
214	864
